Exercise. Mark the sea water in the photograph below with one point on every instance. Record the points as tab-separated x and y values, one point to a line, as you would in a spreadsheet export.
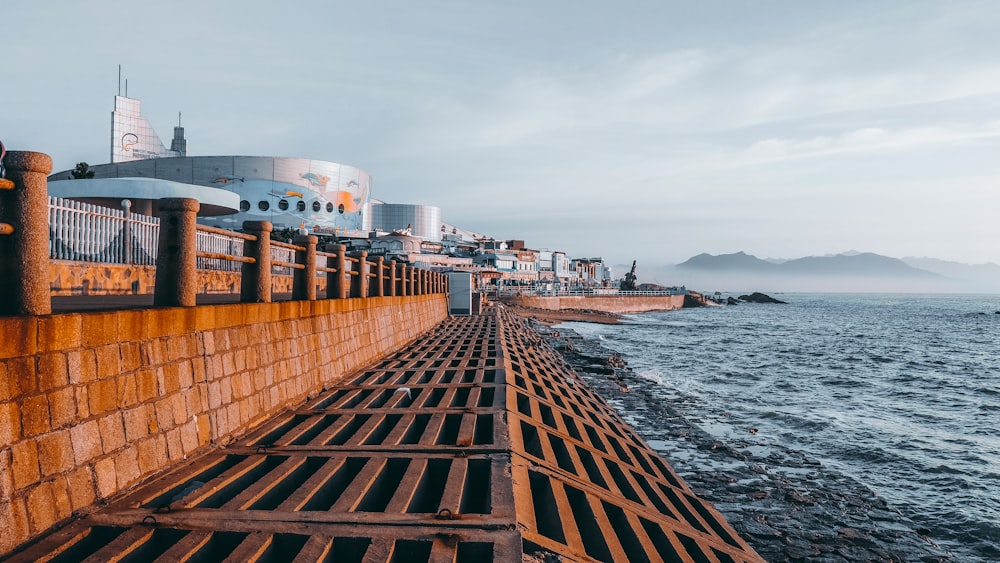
898	392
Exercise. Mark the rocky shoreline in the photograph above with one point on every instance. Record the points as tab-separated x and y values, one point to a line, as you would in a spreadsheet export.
788	507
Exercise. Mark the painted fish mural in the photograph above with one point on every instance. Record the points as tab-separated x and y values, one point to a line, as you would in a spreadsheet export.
315	180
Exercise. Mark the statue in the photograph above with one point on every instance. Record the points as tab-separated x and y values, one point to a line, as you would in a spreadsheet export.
628	282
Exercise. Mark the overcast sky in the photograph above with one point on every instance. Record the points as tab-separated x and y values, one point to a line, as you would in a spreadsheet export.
629	130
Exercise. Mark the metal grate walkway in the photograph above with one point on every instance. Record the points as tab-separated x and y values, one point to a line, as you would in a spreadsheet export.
476	443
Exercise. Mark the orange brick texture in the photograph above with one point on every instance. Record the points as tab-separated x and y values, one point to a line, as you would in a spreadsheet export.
93	403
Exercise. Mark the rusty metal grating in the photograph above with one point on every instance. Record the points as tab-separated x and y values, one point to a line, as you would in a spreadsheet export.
587	486
476	443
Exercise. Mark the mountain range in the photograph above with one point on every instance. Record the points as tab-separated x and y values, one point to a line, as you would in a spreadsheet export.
847	272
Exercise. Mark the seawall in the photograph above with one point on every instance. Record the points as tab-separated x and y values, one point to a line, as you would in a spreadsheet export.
93	403
618	304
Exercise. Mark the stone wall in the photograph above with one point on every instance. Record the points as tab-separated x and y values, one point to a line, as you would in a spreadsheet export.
93	403
610	304
93	278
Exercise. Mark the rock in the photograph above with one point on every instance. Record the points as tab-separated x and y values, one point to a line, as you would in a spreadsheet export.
732	301
758	297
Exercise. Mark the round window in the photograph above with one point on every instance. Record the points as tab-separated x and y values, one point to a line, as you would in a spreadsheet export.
340	208
244	205
263	205
283	204
300	205
316	206
329	207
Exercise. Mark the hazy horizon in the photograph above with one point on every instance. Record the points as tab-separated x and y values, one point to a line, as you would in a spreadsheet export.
651	130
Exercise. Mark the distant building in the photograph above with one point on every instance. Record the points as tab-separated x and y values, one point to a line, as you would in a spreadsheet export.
421	220
321	196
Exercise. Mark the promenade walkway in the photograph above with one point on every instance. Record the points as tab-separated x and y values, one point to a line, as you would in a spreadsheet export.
475	443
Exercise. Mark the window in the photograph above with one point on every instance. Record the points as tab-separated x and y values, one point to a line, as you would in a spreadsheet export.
300	205
340	208
316	206
283	204
329	207
244	205
263	205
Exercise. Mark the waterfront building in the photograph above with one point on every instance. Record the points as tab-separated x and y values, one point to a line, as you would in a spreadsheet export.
423	221
320	196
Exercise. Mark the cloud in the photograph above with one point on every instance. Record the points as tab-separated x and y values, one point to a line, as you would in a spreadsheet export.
867	139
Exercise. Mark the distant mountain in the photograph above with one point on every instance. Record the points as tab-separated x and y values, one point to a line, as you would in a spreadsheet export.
847	272
739	261
862	264
956	270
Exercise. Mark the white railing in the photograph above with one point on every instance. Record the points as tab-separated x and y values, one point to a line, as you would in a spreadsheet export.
583	292
217	243
91	233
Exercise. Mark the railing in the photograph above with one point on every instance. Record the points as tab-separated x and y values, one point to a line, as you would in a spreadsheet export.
80	231
91	233
584	292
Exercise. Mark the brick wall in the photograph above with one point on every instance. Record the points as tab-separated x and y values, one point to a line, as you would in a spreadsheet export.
92	403
93	278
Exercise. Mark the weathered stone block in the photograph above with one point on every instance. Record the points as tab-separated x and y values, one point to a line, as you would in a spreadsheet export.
20	336
127	467
35	418
86	438
10	422
24	464
41	508
80	484
99	329
109	361
102	396
55	453
60	332
62	407
112	432
104	474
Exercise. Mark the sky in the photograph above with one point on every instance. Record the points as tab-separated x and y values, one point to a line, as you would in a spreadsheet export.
649	131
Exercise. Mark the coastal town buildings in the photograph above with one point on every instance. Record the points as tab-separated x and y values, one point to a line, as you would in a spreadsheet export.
324	198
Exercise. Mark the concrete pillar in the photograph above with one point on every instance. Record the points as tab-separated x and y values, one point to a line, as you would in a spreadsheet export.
338	283
392	278
362	276
411	280
379	276
304	280
176	256
24	253
255	285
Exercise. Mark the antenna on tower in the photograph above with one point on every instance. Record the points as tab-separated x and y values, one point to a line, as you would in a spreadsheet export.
126	87
119	80
178	119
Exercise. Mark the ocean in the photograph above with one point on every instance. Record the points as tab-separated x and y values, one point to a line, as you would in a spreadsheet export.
847	426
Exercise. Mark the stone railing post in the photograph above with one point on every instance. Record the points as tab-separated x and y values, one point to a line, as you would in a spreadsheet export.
363	267
379	276
359	285
304	280
392	278
176	256
255	282
337	283
24	249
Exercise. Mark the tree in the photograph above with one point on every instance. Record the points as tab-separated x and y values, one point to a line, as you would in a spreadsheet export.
82	171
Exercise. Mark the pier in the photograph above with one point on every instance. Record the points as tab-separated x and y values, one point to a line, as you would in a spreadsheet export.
367	425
